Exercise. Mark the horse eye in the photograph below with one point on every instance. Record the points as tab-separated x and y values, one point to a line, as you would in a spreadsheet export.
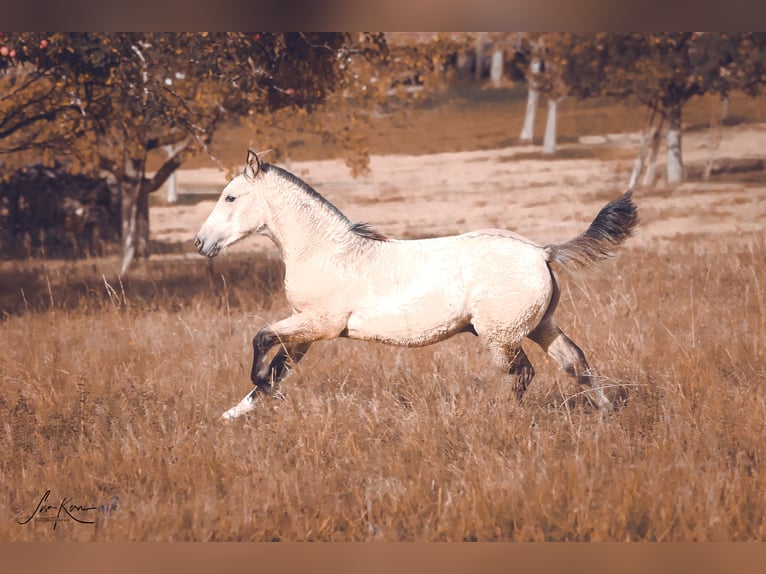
229	198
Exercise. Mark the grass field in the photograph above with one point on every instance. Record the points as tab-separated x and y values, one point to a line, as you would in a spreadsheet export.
113	389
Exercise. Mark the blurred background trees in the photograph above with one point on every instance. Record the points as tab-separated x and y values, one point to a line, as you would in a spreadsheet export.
107	104
126	110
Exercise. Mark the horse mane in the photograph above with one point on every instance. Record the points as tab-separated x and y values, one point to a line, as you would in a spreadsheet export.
360	229
365	230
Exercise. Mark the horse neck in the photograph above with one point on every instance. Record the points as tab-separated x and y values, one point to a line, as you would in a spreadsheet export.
302	224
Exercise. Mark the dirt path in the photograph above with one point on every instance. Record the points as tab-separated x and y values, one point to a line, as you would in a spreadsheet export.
513	188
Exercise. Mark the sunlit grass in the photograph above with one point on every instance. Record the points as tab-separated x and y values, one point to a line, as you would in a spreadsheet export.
119	394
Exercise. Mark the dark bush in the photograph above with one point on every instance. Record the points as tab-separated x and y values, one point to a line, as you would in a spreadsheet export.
50	212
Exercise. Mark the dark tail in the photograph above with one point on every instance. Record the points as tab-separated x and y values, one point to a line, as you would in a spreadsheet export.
613	225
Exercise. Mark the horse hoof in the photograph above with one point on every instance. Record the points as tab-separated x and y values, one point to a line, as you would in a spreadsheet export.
245	406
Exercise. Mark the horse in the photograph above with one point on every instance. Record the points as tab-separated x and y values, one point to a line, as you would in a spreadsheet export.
345	279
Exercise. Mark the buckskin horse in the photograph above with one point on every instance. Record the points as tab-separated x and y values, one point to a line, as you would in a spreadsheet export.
345	279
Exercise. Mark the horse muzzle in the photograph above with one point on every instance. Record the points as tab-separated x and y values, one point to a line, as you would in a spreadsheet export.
207	248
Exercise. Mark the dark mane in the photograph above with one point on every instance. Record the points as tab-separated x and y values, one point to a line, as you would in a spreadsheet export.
360	229
365	230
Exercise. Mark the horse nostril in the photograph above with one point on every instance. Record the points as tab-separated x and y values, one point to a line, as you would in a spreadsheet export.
197	242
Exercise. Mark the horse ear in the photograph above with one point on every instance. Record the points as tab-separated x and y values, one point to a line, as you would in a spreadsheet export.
252	164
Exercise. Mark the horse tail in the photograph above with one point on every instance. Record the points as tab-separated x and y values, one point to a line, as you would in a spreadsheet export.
611	227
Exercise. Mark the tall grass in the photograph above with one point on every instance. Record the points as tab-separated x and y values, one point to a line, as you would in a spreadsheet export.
115	390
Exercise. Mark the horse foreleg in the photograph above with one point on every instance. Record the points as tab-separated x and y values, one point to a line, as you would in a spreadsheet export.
523	370
514	361
266	375
295	335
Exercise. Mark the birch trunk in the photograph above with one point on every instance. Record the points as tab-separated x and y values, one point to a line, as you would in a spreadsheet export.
496	68
549	141
172	183
528	129
674	167
650	134
651	166
638	165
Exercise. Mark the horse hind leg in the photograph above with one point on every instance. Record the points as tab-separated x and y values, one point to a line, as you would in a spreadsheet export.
571	359
514	361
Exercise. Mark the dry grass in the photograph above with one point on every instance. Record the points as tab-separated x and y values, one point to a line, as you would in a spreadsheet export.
116	390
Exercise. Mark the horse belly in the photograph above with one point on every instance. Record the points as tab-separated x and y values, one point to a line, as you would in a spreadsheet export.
410	321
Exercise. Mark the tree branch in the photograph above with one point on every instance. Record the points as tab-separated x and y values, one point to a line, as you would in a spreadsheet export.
148	185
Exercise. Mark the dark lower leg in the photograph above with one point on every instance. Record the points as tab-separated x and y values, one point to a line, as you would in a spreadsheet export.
284	360
263	341
266	375
571	359
522	369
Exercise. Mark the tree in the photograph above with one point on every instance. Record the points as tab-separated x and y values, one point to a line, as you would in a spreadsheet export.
108	101
660	70
546	76
543	77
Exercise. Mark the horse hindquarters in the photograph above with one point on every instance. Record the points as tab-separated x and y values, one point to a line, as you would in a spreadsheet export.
511	300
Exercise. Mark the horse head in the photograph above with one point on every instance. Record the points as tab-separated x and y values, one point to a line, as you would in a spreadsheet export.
240	210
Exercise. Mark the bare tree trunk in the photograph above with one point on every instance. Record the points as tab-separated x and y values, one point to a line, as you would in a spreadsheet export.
651	167
496	68
171	150
480	37
463	65
528	129
638	166
651	134
549	141
674	167
135	213
724	108
129	211
135	225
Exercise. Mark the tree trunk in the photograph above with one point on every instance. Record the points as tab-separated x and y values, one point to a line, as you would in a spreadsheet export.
638	166
463	65
172	191
134	189
128	240
480	38
675	167
528	130
135	225
135	213
724	108
496	68
142	226
549	141
651	166
650	139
